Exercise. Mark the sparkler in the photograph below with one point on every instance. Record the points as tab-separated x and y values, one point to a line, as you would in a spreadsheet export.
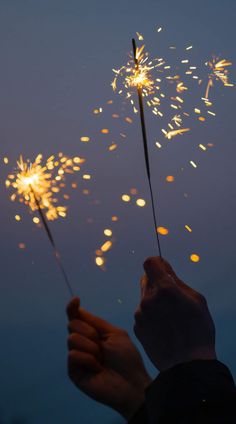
36	187
141	79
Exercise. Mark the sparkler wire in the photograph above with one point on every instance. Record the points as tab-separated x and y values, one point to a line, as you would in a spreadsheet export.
145	146
51	239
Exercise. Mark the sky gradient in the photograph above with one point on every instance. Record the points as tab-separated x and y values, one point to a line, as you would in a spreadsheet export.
56	67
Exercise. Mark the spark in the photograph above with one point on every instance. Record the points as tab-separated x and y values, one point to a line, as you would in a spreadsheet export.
181	87
106	246
193	164
140	36
99	261
114	218
87	177
140	202
174	133
35	182
177	120
112	147
163	231
170	178
84	139
194	257
22	245
189	229
125	198
108	232
218	72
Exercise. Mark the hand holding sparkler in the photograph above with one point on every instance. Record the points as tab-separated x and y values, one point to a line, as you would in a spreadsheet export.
175	342
104	363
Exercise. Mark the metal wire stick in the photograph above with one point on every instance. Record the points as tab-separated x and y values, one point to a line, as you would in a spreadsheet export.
145	146
53	244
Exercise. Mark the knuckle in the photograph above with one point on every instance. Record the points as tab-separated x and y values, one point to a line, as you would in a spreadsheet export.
71	340
149	261
92	333
71	325
201	299
72	357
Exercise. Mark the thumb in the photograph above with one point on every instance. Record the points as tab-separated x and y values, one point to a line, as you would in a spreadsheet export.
72	309
156	271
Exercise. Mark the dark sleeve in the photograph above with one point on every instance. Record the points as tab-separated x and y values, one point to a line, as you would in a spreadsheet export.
141	416
197	392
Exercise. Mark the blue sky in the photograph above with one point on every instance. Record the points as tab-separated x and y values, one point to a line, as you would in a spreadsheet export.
56	67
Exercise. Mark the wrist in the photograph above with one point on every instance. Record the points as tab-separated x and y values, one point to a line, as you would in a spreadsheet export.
135	399
131	406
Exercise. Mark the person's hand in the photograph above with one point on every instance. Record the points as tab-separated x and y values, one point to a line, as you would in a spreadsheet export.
172	322
104	363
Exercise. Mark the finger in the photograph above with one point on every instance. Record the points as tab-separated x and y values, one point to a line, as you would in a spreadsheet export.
84	329
80	343
178	281
156	272
80	363
143	284
72	309
101	326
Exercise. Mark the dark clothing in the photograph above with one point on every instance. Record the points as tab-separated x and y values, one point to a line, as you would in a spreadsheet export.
197	392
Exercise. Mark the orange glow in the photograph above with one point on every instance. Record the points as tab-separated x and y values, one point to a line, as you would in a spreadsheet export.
114	218
105	131
194	257
112	147
106	246
163	231
170	178
22	245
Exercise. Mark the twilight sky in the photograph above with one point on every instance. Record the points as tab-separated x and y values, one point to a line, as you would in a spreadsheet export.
56	67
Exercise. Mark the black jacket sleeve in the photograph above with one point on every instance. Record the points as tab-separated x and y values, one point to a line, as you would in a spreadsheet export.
197	392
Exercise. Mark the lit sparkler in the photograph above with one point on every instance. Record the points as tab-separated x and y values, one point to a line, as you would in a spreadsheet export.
37	185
